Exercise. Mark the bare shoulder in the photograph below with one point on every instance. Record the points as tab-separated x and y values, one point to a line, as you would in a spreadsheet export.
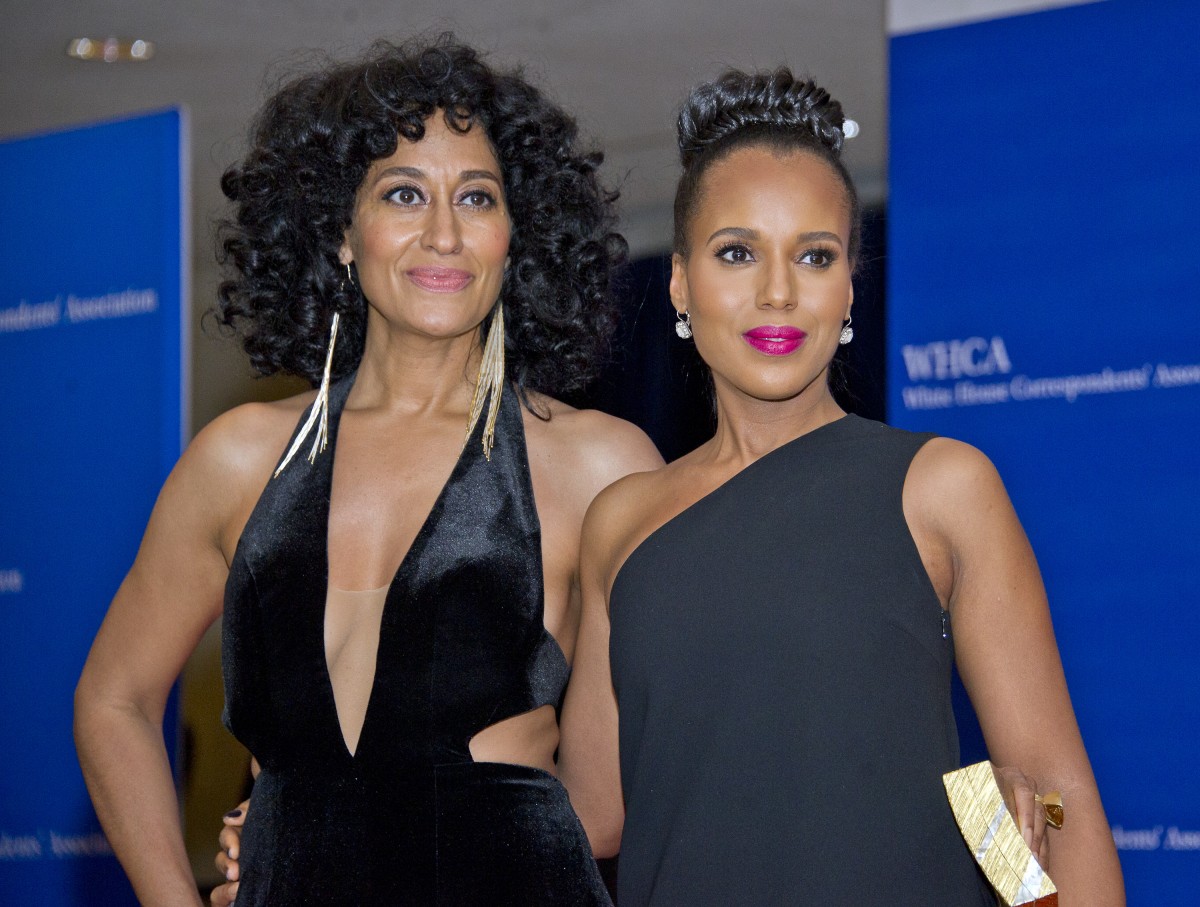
945	467
241	441
613	515
952	484
593	448
230	460
624	514
627	500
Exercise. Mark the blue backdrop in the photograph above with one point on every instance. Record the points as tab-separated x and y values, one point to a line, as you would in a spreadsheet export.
1044	196
91	365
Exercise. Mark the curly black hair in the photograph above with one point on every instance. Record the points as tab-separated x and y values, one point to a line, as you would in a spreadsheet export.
774	108
311	146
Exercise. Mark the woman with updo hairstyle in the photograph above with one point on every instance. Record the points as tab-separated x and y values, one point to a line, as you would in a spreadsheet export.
423	238
771	621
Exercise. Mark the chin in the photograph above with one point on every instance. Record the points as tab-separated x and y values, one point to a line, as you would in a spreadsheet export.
778	396
777	388
438	324
446	327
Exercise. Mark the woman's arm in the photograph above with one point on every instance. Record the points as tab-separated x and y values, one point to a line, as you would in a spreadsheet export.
611	452
172	594
1007	656
589	759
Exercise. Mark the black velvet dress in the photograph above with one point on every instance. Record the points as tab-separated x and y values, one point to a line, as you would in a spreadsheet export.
782	665
408	818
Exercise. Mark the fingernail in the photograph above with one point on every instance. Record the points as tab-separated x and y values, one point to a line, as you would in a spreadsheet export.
233	814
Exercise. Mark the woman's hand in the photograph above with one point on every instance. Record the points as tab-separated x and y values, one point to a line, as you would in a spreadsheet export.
1018	791
230	840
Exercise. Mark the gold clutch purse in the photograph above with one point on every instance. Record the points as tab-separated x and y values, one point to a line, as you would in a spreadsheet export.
993	838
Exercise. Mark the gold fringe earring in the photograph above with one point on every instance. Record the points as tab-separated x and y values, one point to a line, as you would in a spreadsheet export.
490	382
319	414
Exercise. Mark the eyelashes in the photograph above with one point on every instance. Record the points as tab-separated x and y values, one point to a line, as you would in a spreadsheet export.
404	195
736	253
487	199
820	257
407	195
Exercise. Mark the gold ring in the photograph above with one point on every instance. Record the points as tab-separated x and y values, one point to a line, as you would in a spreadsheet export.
1052	806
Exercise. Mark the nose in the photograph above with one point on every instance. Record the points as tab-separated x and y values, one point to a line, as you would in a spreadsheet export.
777	290
443	233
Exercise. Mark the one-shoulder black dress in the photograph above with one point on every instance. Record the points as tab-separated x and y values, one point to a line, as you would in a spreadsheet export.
408	818
782	666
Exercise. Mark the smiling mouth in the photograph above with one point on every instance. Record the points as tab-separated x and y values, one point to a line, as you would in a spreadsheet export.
440	280
775	340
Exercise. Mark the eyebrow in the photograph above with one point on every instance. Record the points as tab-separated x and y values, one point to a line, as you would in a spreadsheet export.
748	234
418	173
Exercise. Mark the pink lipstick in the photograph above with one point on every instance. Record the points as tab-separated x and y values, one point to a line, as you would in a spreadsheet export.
439	280
775	340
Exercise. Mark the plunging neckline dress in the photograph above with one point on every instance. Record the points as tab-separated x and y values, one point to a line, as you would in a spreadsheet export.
408	818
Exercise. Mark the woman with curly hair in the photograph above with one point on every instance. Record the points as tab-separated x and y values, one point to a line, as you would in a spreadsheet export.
394	552
771	620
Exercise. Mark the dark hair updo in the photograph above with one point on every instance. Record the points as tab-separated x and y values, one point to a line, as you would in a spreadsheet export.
771	108
311	147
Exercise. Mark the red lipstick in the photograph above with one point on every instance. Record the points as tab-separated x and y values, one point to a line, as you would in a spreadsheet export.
439	280
775	340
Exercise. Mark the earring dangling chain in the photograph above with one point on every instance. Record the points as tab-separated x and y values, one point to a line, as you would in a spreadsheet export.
319	414
490	383
847	332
